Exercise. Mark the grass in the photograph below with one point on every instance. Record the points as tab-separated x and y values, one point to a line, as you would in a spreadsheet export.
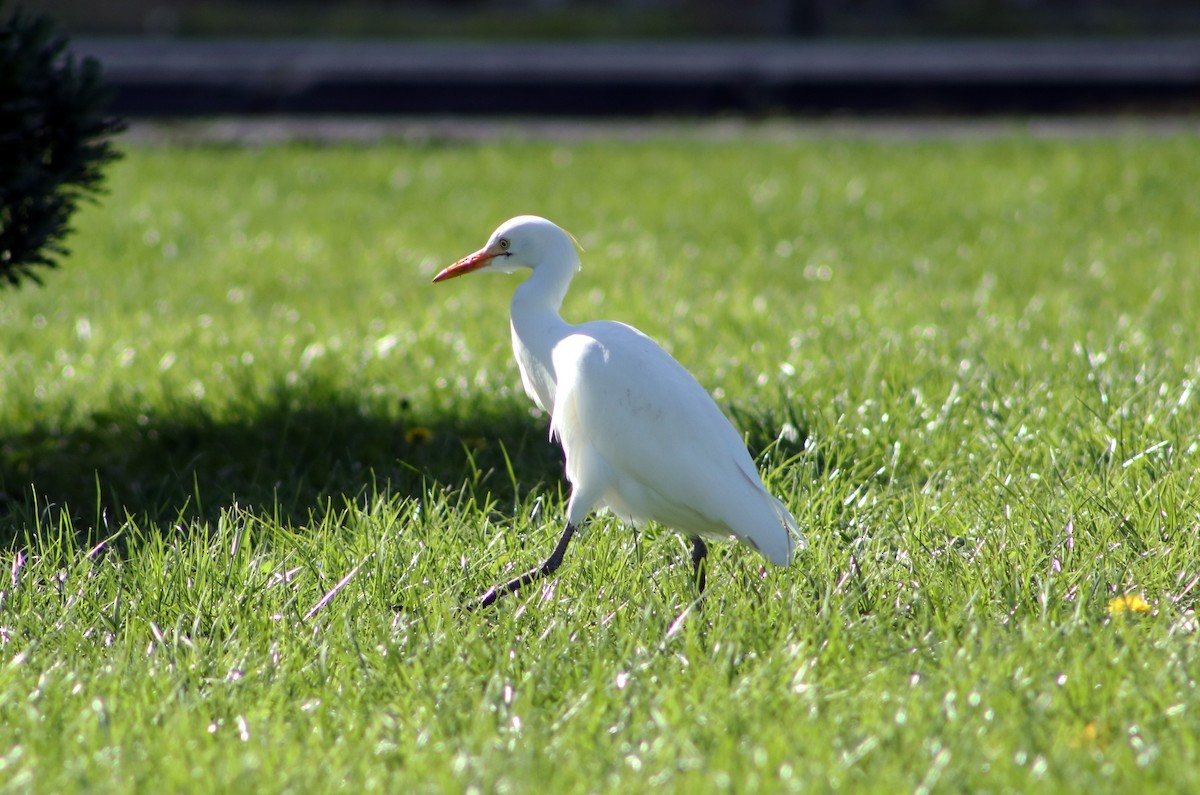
252	461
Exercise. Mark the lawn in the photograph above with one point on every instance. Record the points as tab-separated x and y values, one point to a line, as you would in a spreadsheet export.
252	461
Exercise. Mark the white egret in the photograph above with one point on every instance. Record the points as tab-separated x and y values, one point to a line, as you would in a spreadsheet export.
641	437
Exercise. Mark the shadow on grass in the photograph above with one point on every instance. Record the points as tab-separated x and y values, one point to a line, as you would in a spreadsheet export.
285	457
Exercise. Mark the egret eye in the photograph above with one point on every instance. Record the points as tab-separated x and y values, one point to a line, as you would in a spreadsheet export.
503	244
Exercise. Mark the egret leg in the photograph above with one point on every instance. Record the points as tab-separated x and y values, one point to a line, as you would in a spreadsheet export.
699	562
491	595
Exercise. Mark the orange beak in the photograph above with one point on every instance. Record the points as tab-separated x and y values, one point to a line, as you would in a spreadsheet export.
467	264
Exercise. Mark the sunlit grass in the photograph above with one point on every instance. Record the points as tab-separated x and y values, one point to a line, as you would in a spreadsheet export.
252	461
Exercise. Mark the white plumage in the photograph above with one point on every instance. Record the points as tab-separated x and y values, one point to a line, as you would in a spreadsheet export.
641	436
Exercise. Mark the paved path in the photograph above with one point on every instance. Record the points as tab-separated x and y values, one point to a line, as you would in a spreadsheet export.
268	130
189	78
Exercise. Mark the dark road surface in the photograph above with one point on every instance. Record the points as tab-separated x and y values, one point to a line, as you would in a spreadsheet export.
158	78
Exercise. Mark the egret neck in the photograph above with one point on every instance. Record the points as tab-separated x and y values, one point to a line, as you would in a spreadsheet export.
536	324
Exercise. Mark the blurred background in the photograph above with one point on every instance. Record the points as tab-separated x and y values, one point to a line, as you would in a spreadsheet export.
581	19
637	58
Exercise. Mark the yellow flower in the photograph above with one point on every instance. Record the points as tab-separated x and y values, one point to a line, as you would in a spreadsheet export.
1091	736
418	435
1128	603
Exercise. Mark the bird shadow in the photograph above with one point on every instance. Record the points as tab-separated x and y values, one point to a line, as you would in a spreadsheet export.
284	457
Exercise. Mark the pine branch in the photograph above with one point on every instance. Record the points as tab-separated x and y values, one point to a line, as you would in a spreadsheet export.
54	143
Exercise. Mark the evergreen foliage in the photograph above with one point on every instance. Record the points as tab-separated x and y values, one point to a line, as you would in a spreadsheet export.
54	144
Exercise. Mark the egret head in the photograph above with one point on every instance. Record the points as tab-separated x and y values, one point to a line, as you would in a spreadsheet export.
526	241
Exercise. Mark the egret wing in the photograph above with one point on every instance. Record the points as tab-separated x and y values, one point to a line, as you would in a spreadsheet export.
669	453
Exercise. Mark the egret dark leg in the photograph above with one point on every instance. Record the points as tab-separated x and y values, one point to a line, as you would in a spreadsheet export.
699	562
491	595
